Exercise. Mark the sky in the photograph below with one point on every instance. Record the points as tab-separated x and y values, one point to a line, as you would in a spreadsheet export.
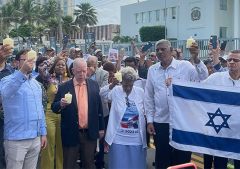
108	10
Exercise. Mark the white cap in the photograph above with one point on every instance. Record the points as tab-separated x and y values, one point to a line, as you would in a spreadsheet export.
125	57
39	52
224	57
53	48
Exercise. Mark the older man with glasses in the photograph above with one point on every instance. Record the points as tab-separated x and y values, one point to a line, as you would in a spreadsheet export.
153	57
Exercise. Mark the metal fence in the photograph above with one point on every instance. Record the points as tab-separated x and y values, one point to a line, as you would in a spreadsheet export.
232	43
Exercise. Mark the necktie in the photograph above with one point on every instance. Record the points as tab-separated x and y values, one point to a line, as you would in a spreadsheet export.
81	107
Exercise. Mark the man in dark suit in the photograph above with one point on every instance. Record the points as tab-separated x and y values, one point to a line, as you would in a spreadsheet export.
81	120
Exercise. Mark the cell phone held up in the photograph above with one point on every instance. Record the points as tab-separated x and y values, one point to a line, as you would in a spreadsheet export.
65	39
147	46
223	45
213	40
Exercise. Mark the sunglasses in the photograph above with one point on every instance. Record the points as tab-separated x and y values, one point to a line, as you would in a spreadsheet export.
127	102
152	56
234	60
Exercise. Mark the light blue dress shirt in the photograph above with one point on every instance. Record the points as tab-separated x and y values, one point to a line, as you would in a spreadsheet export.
22	104
93	77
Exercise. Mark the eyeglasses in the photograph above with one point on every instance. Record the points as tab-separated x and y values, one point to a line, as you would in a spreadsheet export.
152	56
127	102
234	60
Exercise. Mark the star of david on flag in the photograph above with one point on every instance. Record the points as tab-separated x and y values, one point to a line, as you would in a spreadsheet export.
205	119
212	123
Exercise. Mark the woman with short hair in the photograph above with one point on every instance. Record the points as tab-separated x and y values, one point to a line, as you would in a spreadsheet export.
126	132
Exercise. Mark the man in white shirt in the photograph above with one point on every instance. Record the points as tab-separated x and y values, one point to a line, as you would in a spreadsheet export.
227	78
156	93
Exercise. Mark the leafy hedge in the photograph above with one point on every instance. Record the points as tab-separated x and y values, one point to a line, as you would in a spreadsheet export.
152	33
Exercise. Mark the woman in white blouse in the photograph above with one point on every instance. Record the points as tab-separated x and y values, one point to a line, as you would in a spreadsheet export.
126	132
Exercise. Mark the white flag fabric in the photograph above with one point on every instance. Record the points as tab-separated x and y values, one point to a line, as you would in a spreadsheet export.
205	119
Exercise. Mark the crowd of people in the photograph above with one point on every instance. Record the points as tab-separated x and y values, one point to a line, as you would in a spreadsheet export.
105	114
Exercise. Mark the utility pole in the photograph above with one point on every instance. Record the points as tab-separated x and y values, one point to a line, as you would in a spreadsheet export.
60	26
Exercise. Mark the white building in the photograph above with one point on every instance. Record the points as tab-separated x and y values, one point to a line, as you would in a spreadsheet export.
184	18
66	5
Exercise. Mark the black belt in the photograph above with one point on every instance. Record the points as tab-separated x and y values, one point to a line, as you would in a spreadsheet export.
83	130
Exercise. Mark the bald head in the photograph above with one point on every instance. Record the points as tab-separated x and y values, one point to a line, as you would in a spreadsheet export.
79	69
78	61
92	61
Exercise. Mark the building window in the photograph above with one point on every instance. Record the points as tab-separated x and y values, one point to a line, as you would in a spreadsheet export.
137	18
143	17
165	11
150	16
223	5
39	1
174	13
65	3
223	32
157	15
65	8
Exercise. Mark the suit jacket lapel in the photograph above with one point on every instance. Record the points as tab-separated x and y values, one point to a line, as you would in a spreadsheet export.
72	91
88	91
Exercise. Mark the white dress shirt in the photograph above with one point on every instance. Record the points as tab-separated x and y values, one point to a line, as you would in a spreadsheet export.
156	92
222	79
69	62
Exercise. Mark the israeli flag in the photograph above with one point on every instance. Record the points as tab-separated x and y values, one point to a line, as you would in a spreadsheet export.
205	119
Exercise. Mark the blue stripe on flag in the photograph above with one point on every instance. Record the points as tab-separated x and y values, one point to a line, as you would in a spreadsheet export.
207	95
200	140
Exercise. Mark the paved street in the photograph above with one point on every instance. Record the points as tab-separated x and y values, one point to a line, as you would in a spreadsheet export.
196	158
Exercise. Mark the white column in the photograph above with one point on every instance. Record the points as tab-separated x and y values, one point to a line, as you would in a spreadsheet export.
236	19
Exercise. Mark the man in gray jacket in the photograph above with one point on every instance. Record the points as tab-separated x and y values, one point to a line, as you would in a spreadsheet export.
101	77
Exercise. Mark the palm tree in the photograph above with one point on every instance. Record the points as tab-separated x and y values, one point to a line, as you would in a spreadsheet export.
30	13
50	9
86	15
40	32
69	25
7	15
17	4
52	27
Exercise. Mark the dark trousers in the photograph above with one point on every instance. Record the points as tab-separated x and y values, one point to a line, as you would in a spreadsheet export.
87	149
166	155
236	164
100	156
219	162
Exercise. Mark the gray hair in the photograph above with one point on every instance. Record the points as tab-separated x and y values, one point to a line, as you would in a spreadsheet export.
71	49
165	42
92	58
235	51
128	74
77	61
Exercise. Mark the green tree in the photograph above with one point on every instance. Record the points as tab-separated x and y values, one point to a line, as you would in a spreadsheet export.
50	10
39	33
7	15
152	33
23	31
52	27
30	13
86	15
116	39
68	25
